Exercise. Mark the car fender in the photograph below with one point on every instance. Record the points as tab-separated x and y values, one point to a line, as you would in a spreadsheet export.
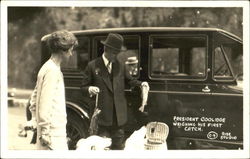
79	110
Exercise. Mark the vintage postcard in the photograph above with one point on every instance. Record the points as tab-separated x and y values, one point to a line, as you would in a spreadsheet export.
131	79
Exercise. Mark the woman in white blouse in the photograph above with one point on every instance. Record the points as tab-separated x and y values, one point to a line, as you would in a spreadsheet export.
48	98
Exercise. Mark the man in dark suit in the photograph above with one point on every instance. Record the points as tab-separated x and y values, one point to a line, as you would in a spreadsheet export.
107	76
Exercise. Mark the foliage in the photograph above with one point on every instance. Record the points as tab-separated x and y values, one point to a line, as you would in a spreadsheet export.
25	31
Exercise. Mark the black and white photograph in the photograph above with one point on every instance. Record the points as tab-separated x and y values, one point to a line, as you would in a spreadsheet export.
124	79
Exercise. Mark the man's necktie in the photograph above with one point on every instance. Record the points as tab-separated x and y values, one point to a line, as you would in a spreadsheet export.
109	66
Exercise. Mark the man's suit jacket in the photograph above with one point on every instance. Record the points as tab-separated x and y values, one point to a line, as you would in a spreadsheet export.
111	93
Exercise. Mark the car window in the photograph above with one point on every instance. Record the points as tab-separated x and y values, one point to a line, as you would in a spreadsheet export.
227	57
130	57
235	57
178	57
80	57
221	67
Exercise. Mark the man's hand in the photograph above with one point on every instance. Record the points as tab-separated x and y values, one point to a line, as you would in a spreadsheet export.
93	90
45	140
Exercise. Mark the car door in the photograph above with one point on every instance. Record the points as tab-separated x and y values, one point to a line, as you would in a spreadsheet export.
180	94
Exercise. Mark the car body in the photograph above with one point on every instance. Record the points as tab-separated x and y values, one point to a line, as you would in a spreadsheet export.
192	76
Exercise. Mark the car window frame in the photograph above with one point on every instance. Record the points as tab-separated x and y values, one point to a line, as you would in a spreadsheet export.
222	79
188	78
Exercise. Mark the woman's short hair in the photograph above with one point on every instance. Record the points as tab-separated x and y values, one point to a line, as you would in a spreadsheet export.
61	40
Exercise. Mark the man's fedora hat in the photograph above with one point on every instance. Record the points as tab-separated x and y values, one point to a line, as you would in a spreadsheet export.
114	41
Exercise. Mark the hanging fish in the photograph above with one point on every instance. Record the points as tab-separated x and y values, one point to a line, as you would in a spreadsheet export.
144	96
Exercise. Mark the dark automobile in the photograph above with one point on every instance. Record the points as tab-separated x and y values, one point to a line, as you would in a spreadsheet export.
193	76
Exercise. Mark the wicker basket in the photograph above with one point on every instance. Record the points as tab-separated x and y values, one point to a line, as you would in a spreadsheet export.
150	146
156	135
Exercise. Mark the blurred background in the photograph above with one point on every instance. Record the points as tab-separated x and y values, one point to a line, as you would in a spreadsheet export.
26	26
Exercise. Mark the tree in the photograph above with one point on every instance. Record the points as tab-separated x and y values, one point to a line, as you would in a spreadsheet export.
27	25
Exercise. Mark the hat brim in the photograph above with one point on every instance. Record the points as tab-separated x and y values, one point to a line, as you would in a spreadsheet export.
122	49
130	63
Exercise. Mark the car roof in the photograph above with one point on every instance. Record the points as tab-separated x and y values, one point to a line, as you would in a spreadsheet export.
151	29
155	29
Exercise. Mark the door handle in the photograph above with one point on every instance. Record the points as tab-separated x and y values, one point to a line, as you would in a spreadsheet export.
206	89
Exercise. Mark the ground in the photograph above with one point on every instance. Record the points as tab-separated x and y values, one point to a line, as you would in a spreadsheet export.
16	116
